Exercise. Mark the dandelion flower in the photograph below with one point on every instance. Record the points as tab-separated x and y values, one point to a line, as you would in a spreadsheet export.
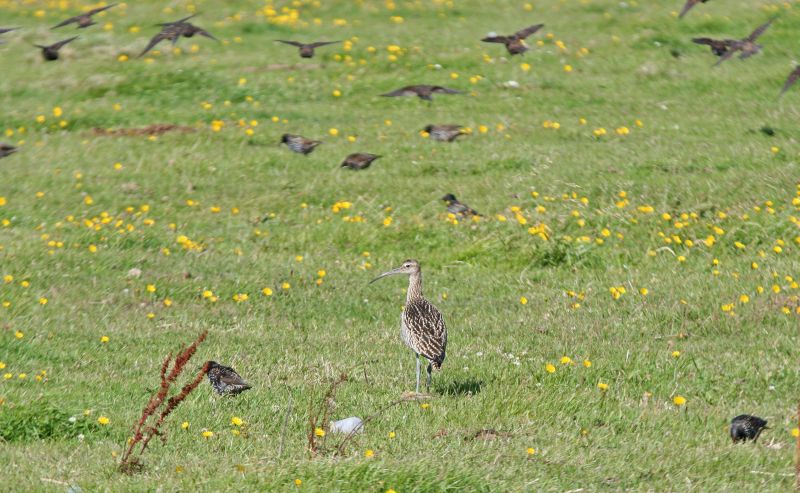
679	400
549	368
103	420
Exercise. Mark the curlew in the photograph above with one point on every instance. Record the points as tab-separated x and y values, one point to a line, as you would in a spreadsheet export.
421	324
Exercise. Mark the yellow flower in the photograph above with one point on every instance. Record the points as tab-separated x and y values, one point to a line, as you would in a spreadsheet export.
267	291
525	67
298	482
676	354
319	432
104	339
19	334
151	288
679	400
602	386
237	421
796	432
57	112
185	425
392	435
587	363
368	453
103	420
549	368
207	434
523	300
567	68
333	131
531	450
565	360
285	285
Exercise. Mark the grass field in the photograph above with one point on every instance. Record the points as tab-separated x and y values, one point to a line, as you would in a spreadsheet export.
637	216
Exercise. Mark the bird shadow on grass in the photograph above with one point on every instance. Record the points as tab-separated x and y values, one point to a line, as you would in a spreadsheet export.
469	386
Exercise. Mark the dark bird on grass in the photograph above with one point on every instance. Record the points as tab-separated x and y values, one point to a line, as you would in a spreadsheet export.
747	47
444	133
50	53
689	6
422	91
84	20
515	43
307	49
224	379
718	46
299	144
359	160
458	208
7	149
4	30
746	427
422	326
791	80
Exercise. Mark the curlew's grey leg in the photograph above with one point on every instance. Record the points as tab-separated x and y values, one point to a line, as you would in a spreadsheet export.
428	386
418	374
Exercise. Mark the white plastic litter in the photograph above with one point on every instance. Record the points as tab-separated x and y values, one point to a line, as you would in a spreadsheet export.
347	425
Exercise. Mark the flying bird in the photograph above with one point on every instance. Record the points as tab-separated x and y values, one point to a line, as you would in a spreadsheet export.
746	427
747	46
421	91
4	30
718	46
7	149
224	379
422	326
444	133
173	31
689	6
359	160
791	80
458	208
307	49
84	20
299	144
50	52
515	43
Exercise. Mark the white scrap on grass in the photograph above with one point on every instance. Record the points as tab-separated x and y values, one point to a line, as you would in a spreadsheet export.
347	425
512	84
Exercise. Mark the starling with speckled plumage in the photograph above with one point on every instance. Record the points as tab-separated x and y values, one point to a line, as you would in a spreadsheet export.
444	133
359	160
515	43
718	46
746	427
458	208
307	49
173	31
85	19
7	149
689	5
224	379
421	91
300	144
50	52
746	47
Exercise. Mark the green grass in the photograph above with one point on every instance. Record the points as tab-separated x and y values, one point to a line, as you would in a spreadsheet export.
699	152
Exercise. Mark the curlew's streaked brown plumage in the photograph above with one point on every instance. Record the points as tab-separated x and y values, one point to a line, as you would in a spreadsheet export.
422	326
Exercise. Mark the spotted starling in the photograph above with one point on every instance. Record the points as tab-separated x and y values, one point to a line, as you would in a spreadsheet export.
422	91
458	208
307	49
718	46
50	53
7	149
445	133
300	144
515	43
689	6
173	31
359	160
746	427
746	46
224	379
84	20
791	80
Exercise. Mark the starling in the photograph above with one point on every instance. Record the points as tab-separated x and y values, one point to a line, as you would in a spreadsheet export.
746	427
747	46
422	91
515	43
458	208
718	46
50	53
300	144
307	49
689	6
7	149
359	160
224	379
85	19
791	80
173	31
444	133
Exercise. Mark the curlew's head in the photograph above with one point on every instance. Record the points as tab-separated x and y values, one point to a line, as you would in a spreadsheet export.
409	267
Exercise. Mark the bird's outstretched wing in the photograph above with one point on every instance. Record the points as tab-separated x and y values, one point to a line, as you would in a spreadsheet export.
704	41
203	32
444	90
99	9
496	39
760	30
403	91
180	21
687	7
293	43
165	34
791	80
524	33
322	43
8	30
728	54
67	22
60	44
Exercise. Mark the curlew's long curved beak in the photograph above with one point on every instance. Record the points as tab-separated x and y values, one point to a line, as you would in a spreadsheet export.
386	274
